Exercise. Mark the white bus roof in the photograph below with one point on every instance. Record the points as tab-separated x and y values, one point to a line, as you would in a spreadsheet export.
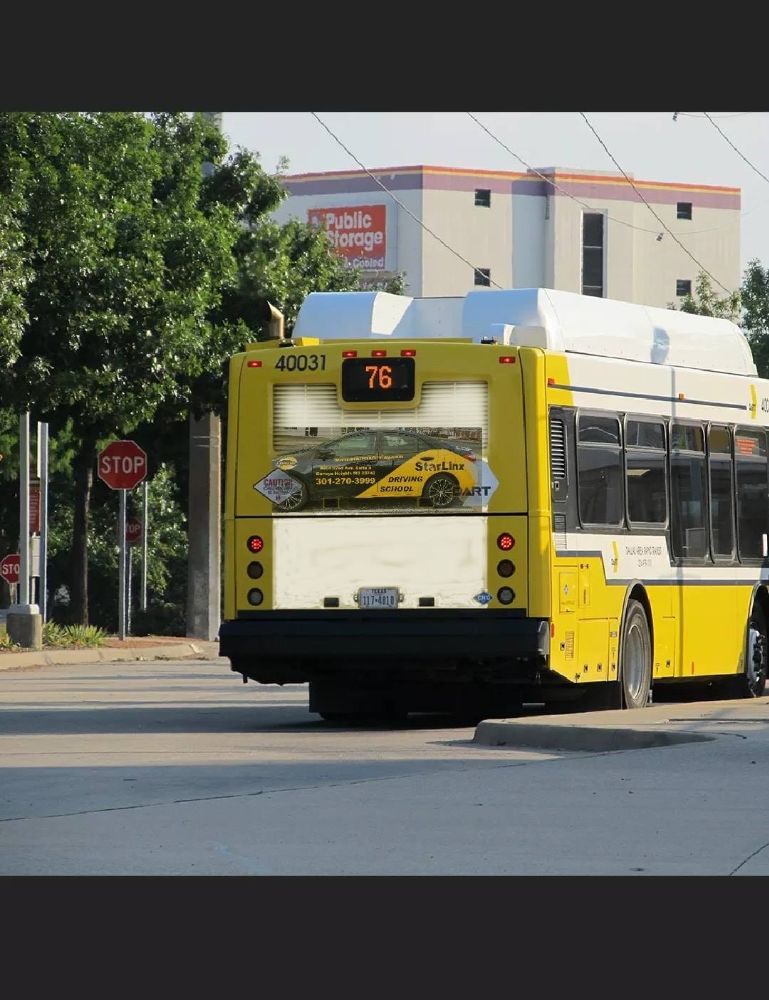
534	317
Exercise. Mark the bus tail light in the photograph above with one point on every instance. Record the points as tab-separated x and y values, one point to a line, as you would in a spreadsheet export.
255	543
505	541
507	359
253	364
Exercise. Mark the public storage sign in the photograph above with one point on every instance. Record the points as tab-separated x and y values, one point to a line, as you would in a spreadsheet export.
357	233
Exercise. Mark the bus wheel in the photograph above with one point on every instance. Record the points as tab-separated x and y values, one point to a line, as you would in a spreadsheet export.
636	666
753	682
441	490
296	500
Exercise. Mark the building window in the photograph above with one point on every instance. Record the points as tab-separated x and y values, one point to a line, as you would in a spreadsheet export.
483	276
684	210
592	254
683	286
483	197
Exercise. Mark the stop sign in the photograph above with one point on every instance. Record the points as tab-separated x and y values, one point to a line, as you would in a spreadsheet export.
133	530
10	568
122	465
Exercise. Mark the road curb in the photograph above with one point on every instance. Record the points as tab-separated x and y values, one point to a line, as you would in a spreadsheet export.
63	657
520	733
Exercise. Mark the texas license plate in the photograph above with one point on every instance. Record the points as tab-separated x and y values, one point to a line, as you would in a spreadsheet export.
378	597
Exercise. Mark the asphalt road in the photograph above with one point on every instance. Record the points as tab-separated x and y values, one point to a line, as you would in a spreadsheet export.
170	768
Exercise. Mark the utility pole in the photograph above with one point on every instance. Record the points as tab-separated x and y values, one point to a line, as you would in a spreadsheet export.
24	622
204	510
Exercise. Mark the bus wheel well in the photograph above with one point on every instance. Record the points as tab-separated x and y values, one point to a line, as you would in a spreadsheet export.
638	593
761	598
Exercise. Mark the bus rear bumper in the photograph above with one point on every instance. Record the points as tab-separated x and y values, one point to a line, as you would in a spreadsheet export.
295	645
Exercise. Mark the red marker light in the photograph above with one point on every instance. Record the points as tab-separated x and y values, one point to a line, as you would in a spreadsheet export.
253	364
379	354
349	354
551	381
505	541
408	353
255	543
506	359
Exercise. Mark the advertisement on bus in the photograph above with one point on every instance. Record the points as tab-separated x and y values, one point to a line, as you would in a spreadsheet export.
414	469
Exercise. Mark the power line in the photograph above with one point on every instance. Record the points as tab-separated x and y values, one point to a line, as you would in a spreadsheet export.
552	183
398	202
692	114
584	204
737	151
657	217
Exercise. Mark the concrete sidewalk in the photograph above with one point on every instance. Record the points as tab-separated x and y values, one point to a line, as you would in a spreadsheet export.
166	649
655	726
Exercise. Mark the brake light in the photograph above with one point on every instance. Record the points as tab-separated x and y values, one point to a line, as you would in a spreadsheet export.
349	354
255	543
505	541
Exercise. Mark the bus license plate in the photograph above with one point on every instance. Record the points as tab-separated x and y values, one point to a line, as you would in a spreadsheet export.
378	597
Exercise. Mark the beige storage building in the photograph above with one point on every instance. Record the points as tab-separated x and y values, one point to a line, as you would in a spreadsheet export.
575	230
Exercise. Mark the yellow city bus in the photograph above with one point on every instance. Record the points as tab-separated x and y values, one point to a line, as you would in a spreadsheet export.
467	503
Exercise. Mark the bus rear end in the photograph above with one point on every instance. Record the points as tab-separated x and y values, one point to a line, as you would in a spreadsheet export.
377	528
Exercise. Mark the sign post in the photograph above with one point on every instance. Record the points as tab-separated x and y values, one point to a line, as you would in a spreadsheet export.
122	466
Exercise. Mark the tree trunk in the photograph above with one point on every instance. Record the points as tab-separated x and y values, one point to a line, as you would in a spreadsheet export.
79	553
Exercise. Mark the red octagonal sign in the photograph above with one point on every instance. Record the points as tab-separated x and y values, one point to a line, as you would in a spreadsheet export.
122	465
9	568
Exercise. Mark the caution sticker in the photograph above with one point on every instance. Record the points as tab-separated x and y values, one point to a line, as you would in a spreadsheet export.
277	486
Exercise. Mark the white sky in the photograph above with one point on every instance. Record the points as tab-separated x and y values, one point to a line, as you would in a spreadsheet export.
649	146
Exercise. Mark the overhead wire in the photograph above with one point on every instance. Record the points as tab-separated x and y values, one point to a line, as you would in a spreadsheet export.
656	216
584	204
736	150
397	201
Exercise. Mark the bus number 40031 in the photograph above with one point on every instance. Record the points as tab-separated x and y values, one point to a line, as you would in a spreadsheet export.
301	363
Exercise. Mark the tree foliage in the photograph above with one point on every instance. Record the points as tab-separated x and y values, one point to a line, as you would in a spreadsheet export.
136	254
755	302
705	302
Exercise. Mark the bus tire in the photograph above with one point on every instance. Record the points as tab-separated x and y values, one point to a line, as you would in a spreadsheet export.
753	681
440	490
636	663
296	501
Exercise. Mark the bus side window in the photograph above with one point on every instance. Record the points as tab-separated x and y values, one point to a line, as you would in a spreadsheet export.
721	492
688	492
599	470
752	502
645	471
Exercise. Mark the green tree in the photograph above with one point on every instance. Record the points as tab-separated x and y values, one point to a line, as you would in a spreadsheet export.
14	272
755	302
705	302
128	247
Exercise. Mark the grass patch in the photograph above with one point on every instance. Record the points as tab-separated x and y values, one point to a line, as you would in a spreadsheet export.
76	636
